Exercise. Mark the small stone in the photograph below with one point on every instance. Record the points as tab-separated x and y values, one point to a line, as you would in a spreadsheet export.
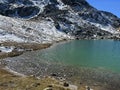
66	84
48	89
73	87
36	84
88	88
53	74
81	83
49	86
95	84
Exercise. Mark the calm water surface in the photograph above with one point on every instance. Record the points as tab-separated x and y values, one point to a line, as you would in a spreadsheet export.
101	54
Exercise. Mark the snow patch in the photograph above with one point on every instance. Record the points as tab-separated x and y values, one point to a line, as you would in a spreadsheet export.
61	5
10	37
6	49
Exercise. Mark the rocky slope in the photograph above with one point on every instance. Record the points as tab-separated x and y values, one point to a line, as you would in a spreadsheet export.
44	21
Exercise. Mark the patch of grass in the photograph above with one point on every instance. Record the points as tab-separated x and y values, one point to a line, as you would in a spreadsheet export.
8	81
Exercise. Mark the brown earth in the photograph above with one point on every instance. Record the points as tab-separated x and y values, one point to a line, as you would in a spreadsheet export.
25	46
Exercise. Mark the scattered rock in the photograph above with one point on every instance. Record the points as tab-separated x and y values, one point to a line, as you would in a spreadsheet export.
36	84
61	79
95	84
81	83
50	86
88	88
116	37
8	84
65	84
53	74
48	89
73	87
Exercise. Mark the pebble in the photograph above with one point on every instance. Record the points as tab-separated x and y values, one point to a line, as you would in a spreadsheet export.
53	74
88	88
81	83
73	87
49	86
36	84
65	84
48	89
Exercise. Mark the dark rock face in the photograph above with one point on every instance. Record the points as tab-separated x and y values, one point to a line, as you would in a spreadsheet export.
92	34
75	17
3	8
23	8
25	2
72	2
54	2
27	11
21	12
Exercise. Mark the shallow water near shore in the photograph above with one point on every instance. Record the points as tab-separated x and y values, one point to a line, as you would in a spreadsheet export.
103	54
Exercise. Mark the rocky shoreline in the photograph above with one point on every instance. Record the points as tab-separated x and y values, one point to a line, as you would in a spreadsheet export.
13	80
65	77
10	79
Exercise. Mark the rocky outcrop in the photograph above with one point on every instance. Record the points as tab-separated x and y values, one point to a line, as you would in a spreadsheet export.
53	20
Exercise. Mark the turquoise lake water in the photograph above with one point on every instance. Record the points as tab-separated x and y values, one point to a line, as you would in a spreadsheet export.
101	54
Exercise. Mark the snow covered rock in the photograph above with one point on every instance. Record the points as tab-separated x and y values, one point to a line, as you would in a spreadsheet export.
17	30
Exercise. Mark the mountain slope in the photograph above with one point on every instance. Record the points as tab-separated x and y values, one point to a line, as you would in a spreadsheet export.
53	20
